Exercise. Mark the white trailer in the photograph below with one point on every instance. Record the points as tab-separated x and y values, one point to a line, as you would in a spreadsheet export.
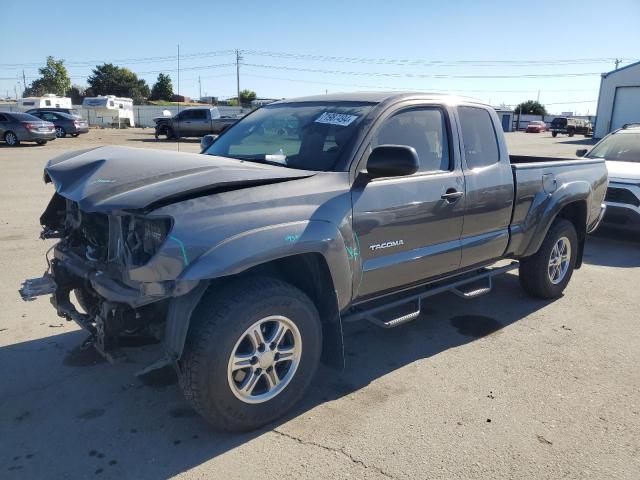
48	100
109	110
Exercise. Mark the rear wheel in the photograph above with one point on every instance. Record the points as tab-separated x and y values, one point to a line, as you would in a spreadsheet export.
41	142
554	134
169	133
61	132
11	139
547	273
571	132
74	135
252	350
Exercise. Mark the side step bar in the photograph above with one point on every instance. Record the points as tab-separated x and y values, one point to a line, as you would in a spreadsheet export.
372	314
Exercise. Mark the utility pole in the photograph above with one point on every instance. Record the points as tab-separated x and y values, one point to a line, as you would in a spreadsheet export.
238	58
24	81
178	91
199	88
618	61
538	99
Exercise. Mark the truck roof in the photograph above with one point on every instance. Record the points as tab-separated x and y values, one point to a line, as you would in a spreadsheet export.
379	97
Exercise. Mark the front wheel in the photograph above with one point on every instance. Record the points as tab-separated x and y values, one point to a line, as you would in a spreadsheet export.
554	134
252	350
546	273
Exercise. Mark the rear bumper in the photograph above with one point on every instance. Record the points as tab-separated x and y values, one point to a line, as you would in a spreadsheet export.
27	136
79	130
594	226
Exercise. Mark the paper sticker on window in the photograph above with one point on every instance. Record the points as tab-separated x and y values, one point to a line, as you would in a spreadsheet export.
331	118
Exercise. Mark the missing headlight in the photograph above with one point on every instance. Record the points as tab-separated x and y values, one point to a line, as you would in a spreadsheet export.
143	237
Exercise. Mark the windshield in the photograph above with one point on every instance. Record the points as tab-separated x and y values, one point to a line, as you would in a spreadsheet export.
623	147
308	136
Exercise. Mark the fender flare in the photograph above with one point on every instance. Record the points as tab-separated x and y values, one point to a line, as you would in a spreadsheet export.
568	193
255	247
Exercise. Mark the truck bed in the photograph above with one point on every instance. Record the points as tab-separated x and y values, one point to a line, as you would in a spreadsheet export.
541	184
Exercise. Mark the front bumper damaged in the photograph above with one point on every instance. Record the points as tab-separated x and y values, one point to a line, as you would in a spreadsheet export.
116	308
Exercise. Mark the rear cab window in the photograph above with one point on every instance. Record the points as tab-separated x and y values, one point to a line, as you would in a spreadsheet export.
479	137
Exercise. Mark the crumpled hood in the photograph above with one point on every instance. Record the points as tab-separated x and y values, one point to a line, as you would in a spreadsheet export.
627	171
108	179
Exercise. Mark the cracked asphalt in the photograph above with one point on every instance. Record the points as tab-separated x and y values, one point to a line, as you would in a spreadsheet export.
498	387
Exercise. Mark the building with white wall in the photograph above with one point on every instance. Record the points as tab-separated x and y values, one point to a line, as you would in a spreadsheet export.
619	99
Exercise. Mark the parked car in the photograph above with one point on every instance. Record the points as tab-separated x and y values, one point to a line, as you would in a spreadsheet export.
193	122
69	111
248	258
621	150
571	126
22	127
536	127
65	124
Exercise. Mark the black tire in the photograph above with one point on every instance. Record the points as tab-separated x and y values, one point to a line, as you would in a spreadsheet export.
219	322
571	133
61	132
554	134
41	142
74	135
169	133
534	270
11	139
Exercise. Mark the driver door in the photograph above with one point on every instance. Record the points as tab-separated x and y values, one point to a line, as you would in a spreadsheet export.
409	227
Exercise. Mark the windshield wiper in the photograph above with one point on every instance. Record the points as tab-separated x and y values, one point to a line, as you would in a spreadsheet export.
258	159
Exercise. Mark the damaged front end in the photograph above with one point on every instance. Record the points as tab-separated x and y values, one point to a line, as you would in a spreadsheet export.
93	259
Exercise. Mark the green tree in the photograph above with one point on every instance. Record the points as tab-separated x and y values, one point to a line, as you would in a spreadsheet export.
247	96
109	79
77	94
162	89
53	79
531	107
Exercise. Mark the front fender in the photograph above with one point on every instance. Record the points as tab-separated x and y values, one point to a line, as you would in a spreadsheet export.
544	210
255	247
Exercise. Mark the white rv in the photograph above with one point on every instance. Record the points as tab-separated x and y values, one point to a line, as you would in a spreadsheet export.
48	100
109	110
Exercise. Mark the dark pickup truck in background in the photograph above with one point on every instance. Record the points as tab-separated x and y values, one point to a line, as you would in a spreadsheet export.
193	122
246	260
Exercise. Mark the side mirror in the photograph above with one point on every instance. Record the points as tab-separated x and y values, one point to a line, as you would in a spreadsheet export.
392	161
581	152
207	141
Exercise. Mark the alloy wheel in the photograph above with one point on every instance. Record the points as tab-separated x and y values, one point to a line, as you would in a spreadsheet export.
264	359
559	260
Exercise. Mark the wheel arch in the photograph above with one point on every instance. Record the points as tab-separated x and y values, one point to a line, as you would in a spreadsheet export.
310	272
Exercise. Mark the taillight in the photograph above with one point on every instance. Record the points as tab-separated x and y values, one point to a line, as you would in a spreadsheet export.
29	126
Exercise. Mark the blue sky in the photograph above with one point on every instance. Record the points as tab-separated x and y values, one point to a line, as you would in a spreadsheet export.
336	45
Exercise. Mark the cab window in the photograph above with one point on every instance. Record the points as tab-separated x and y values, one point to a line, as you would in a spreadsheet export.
421	128
478	137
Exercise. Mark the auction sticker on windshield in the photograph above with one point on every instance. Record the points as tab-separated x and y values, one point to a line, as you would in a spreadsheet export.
332	118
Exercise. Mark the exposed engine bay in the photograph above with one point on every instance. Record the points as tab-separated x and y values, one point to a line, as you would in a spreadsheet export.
92	260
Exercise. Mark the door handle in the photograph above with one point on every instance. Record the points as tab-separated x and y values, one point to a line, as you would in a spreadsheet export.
451	195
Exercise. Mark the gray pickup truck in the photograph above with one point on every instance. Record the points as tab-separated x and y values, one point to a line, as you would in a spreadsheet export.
193	122
246	260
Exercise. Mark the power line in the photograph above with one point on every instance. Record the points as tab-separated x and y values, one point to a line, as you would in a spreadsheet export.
414	62
165	58
386	87
420	75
